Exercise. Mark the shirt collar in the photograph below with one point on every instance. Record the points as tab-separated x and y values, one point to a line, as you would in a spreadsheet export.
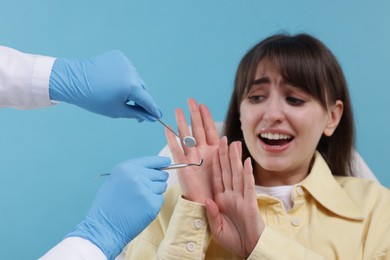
322	185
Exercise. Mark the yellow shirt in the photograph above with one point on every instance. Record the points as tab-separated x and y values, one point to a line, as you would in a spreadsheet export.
332	218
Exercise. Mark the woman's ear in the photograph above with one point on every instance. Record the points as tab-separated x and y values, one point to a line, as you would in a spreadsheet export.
335	113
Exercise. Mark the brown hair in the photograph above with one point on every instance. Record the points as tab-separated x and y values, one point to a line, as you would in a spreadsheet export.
309	65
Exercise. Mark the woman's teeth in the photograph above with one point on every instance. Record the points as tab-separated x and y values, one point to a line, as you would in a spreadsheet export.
275	136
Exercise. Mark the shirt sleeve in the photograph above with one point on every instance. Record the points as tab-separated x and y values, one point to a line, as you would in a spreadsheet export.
24	79
187	236
75	248
273	245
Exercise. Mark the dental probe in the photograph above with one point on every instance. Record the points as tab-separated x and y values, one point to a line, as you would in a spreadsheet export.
169	167
181	165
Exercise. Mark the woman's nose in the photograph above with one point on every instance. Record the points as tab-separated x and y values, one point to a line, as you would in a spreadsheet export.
274	111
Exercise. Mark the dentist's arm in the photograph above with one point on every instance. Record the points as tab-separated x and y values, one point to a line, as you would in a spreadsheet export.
107	84
126	203
24	79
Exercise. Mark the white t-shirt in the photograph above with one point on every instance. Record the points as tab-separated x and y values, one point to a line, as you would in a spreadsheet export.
282	193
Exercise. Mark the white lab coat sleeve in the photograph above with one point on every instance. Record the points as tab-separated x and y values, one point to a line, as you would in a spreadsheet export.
74	248
24	79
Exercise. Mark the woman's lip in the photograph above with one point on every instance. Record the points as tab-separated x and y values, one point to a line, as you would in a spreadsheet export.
274	148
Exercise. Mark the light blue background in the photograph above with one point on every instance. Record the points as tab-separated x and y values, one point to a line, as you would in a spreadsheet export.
182	49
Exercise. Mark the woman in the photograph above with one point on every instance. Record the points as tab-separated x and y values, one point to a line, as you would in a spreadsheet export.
290	116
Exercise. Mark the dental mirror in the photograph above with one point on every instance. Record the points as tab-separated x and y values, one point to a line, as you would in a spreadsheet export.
188	141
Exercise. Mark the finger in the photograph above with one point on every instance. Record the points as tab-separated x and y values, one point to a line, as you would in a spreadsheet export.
249	181
216	175
176	150
151	162
157	187
213	216
156	175
182	128
142	98
210	129
239	146
237	168
196	122
131	111
225	164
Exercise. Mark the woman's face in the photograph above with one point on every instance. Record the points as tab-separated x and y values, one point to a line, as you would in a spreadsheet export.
282	126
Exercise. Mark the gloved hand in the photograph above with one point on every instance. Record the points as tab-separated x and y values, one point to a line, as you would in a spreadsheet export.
125	205
107	84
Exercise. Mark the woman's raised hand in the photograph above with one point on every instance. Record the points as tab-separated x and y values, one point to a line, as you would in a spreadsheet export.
195	181
233	214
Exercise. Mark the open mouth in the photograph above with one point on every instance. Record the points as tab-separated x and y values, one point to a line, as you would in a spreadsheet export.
274	139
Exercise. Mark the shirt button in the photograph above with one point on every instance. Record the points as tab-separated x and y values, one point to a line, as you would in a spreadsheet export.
191	246
300	191
198	224
295	222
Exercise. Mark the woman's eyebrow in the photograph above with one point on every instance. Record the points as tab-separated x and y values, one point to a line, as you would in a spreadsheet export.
261	81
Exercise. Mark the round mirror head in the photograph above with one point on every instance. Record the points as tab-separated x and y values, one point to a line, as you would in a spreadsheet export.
189	141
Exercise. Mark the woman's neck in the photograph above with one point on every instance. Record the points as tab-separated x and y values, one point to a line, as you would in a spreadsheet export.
267	178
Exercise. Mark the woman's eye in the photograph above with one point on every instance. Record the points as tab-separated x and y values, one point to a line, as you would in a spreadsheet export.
295	101
255	99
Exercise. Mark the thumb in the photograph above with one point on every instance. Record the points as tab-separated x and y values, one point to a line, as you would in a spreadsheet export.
213	216
135	111
152	162
141	97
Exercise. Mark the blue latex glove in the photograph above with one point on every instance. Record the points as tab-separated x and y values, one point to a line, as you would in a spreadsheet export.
107	84
125	205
